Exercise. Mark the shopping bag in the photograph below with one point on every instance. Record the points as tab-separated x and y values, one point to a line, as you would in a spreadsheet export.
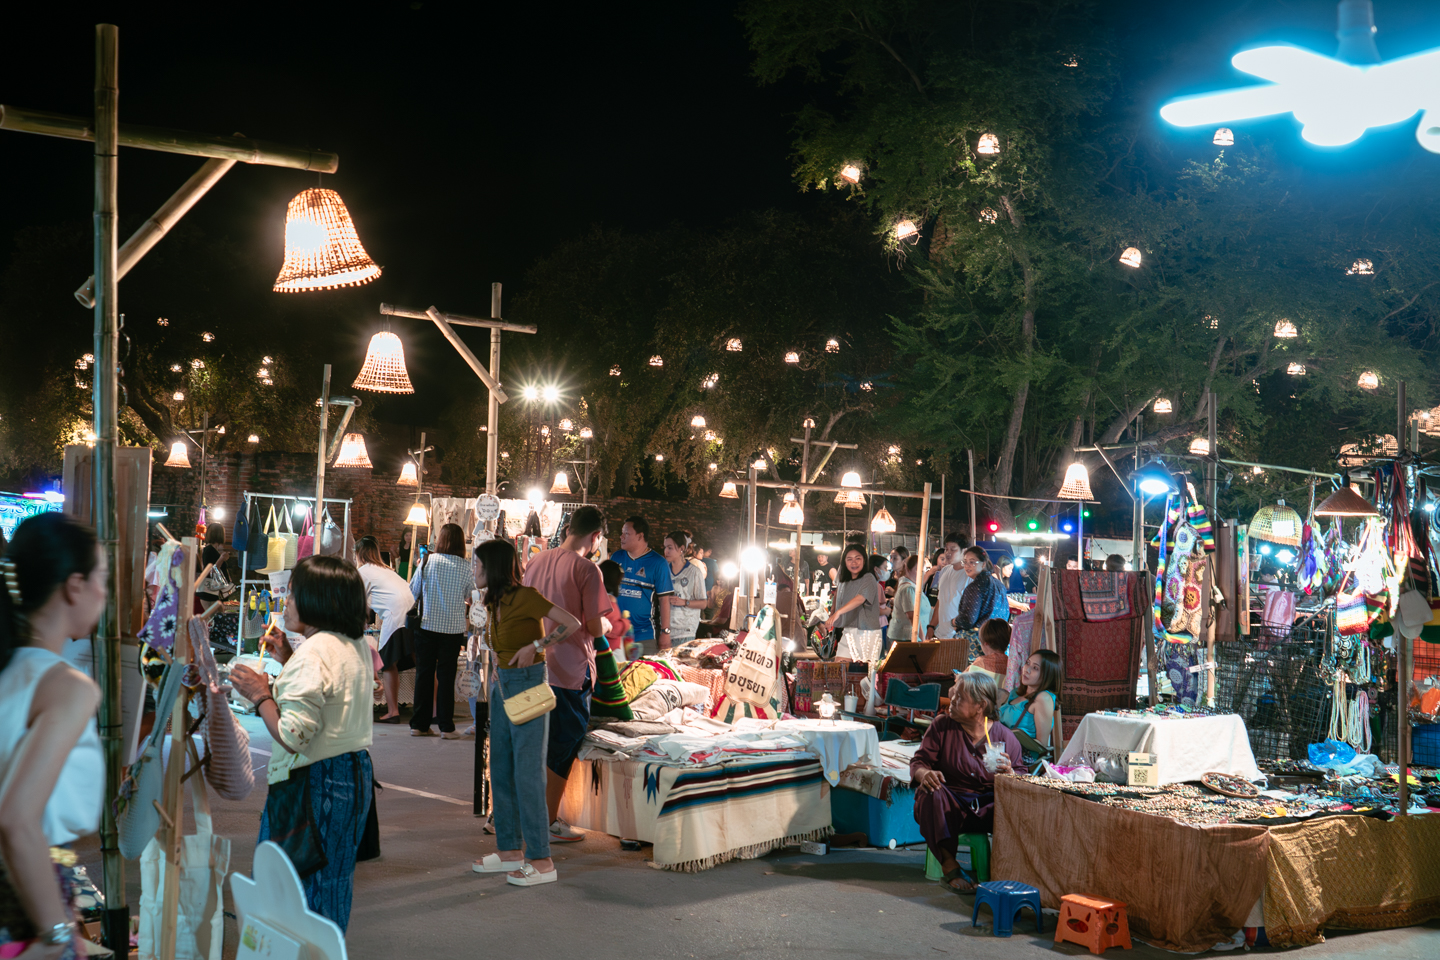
240	536
468	681
754	675
292	543
305	544
228	767
331	539
255	615
274	545
204	862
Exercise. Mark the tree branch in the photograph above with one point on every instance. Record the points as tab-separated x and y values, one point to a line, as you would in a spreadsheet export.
867	31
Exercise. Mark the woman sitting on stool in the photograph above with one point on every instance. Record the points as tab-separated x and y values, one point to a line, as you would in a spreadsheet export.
954	790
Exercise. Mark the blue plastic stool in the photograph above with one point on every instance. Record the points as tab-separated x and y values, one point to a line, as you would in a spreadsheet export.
1005	898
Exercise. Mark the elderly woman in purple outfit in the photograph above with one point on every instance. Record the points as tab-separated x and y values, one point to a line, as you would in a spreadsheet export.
954	772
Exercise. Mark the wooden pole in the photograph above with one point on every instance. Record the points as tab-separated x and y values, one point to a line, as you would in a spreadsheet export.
105	399
467	355
920	565
324	438
461	320
173	804
166	140
152	231
492	437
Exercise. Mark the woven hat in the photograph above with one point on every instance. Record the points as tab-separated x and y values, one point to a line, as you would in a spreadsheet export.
1276	524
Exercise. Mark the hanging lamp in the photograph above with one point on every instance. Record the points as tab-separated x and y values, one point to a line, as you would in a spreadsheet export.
409	477
322	250
384	368
1163	406
1224	137
353	452
1296	369
1345	503
697	421
850	173
1077	483
1361	268
791	514
561	484
728	490
906	229
1200	447
832	345
418	516
882	522
254	438
1276	524
1286	330
179	455
1131	257
989	145
1368	381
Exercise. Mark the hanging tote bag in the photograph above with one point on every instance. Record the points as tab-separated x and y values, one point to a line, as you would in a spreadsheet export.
255	547
228	767
331	542
305	544
240	536
274	545
255	615
292	543
136	816
204	862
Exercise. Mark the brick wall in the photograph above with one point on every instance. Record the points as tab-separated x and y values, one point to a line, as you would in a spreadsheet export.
379	504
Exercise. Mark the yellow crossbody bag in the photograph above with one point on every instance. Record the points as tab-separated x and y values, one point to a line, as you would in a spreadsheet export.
528	704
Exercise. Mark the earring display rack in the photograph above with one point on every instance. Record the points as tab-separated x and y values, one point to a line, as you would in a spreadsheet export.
249	580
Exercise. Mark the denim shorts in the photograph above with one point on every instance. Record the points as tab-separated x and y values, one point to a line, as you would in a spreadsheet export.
568	723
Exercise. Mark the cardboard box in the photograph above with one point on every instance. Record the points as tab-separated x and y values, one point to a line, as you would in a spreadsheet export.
1143	770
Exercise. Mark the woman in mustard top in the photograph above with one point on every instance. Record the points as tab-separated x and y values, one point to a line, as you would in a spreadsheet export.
516	634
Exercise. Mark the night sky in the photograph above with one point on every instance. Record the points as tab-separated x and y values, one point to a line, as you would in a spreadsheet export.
476	137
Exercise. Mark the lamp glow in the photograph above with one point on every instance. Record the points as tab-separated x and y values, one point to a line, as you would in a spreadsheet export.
832	345
179	455
561	484
384	367
753	559
1296	369
728	491
418	516
1361	268
409	477
989	145
728	570
1200	447
1131	257
1286	330
1077	483
322	249
567	425
697	421
1368	381
882	522
851	479
850	173
586	433
1163	406
1224	137
254	438
734	345
353	452
657	361
791	513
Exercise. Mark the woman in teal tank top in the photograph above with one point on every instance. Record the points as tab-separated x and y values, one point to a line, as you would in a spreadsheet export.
1031	705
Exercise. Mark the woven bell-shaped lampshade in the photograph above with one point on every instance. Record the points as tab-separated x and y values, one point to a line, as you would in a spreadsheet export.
418	516
1345	503
850	498
1368	381
322	250
353	452
384	369
561	484
790	512
179	455
1276	524
1131	257
1164	406
1077	483
1200	447
408	475
882	522
850	479
728	491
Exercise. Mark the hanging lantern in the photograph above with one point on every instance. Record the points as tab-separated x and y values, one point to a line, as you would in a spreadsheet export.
714	466
267	381
179	455
989	145
409	477
197	364
1200	447
734	345
850	173
1278	524
264	373
832	345
178	396
759	463
657	361
384	368
697	421
418	516
1368	381
162	322
267	360
710	436
710	381
988	215
253	438
174	368
850	479
790	512
792	357
850	499
1131	257
322	250
906	229
728	491
353	452
1345	503
208	337
586	433
1224	137
1077	483
615	370
561	484
1361	268
220	429
567	425
1296	369
1286	330
1163	406
659	458
882	522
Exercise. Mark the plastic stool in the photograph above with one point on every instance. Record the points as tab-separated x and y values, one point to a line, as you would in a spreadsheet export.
1093	922
973	853
1006	898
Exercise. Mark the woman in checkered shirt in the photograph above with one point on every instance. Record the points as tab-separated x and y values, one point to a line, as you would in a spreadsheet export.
443	582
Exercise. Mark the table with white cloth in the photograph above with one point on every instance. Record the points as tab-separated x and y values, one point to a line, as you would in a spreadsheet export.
838	744
1185	748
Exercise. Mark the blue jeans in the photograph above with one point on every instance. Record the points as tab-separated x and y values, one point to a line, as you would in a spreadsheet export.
517	768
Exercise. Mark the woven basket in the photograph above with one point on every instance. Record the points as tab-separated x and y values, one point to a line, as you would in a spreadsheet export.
1267	519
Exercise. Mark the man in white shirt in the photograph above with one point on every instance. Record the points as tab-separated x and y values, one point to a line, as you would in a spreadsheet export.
952	580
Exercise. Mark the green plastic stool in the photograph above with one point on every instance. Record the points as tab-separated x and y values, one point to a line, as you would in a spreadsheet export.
973	853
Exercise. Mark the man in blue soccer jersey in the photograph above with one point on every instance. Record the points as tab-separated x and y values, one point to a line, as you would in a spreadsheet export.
645	586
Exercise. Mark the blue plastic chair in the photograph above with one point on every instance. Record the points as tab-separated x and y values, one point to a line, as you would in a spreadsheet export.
898	693
1006	898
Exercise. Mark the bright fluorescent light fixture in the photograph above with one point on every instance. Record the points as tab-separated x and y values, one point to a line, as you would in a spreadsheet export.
1334	100
1153	479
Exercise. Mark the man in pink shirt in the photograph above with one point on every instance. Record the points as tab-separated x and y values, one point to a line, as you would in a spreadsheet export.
568	579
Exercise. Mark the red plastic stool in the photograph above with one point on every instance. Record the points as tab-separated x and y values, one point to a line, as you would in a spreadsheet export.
1092	922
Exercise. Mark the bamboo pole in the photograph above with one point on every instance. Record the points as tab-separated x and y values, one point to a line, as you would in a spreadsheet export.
172	804
152	231
103	510
920	565
166	140
324	430
460	320
467	355
492	404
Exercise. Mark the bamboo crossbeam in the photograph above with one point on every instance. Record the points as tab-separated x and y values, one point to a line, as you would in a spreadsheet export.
166	140
466	353
458	319
152	231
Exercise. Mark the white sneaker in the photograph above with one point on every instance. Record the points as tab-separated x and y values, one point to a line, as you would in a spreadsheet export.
562	832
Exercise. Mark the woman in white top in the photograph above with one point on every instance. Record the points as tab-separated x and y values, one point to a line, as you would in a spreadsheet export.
318	714
52	772
388	597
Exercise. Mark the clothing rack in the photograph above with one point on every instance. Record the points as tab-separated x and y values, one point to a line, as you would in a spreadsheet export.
247	579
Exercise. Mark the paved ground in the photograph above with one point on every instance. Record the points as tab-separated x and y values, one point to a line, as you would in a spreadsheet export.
420	899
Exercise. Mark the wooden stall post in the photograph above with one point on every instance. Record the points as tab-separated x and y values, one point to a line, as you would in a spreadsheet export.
924	528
